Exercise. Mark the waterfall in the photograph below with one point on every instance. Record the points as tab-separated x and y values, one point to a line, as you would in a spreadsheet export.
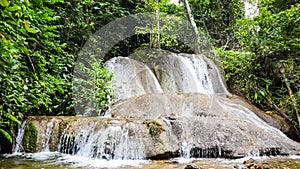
251	9
132	78
175	73
186	149
168	106
19	138
197	68
48	135
183	73
113	142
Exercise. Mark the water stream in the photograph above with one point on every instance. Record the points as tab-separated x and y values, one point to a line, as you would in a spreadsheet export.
51	160
48	134
19	138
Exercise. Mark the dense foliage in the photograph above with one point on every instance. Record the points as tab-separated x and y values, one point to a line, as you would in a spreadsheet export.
35	68
41	40
267	68
217	18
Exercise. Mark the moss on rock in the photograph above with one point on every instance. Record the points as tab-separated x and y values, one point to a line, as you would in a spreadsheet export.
154	127
30	138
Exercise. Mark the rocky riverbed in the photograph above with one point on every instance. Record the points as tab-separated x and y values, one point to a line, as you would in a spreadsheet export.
251	163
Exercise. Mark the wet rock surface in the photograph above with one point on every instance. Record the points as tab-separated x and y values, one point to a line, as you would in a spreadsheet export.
213	125
190	125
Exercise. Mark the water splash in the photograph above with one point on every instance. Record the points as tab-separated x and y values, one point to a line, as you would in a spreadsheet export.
186	149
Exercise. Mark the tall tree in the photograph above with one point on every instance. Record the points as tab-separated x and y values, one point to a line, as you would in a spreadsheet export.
193	23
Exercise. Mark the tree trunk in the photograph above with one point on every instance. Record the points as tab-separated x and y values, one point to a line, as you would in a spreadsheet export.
158	24
291	94
193	23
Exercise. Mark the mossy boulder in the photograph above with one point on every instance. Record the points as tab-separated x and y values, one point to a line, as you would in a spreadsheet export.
30	138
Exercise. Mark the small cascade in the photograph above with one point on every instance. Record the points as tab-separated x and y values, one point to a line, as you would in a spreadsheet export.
183	73
48	135
113	142
19	139
240	112
186	150
251	9
198	70
132	78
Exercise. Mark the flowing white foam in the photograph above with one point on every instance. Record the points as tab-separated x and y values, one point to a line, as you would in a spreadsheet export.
49	131
19	138
79	161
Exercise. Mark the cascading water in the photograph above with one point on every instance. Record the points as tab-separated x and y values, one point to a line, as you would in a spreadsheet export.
112	142
132	78
183	73
186	149
197	67
19	138
172	73
48	133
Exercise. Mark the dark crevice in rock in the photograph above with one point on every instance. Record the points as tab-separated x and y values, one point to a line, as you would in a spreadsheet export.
166	155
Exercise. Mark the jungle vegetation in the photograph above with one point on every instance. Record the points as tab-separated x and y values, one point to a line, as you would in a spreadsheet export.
40	41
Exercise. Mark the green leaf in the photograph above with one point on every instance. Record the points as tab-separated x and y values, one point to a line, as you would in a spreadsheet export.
32	30
262	93
6	134
12	118
255	96
13	8
31	39
4	3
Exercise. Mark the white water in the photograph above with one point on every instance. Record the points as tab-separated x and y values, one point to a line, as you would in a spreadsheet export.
48	135
185	151
245	114
179	73
173	73
197	68
19	138
111	143
132	78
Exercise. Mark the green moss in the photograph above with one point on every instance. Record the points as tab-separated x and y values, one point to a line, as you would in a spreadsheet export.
154	127
30	138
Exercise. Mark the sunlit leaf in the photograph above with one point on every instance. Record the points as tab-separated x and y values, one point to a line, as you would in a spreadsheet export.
32	30
27	24
293	8
4	39
12	118
262	93
13	8
4	3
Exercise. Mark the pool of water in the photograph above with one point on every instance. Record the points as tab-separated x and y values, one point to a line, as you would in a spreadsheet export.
54	160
